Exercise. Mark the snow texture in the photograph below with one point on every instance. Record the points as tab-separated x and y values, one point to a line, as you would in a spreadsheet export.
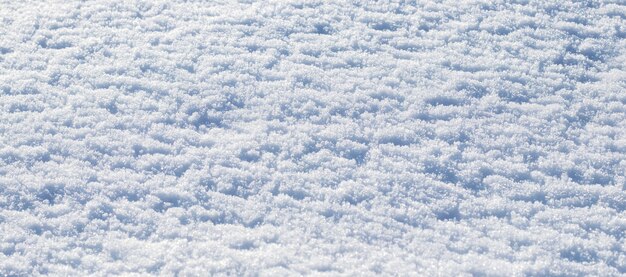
285	138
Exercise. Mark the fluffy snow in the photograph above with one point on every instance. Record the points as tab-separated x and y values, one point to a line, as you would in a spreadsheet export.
285	138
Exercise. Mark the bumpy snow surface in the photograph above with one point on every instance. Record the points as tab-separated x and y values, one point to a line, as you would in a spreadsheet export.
289	138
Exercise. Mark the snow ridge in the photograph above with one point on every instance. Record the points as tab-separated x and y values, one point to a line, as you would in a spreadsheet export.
311	137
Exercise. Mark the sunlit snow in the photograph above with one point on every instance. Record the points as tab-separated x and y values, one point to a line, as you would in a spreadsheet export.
292	138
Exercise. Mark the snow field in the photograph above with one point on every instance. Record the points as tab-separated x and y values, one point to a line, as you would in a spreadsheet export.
287	138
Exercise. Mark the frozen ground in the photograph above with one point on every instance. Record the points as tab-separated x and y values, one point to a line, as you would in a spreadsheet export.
275	138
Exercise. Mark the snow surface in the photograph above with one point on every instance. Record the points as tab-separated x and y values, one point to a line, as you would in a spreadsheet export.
286	138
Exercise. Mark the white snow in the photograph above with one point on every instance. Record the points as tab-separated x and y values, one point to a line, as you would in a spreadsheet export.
310	137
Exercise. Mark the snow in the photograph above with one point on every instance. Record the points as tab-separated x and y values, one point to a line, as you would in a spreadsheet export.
310	137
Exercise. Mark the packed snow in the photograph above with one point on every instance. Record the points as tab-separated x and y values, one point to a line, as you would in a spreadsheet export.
282	138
